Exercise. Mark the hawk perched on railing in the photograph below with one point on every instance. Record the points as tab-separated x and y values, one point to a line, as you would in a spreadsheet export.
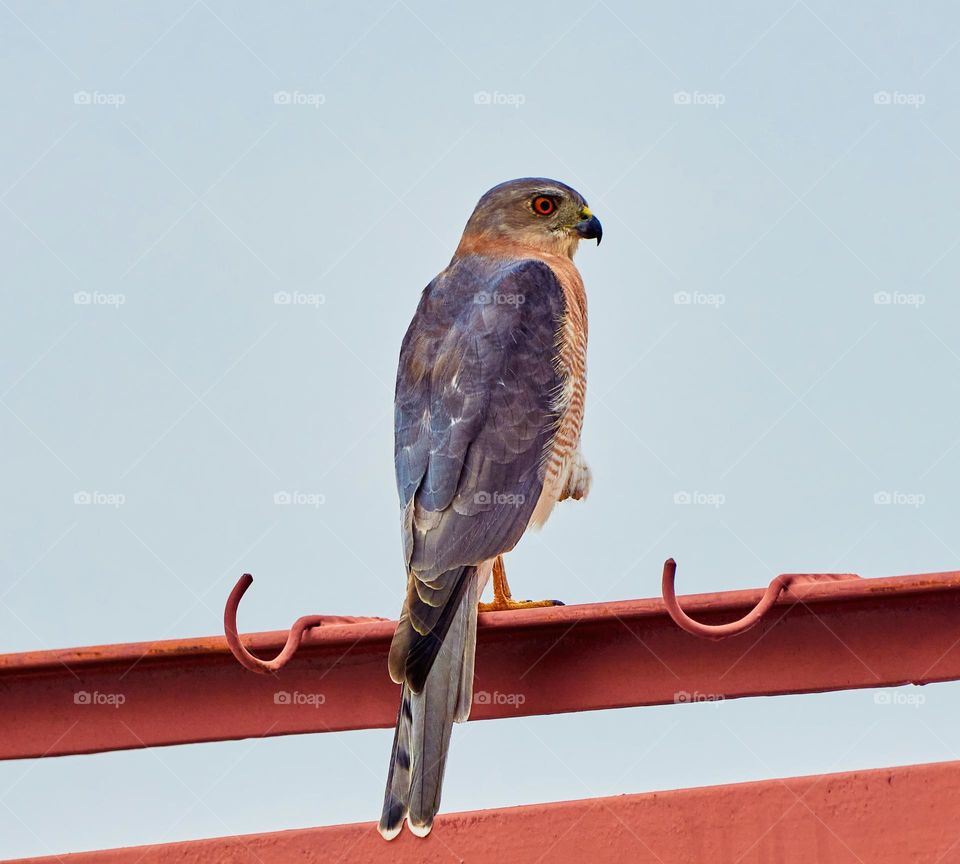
489	405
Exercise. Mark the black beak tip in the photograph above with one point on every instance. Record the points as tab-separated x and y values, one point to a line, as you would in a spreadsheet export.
590	229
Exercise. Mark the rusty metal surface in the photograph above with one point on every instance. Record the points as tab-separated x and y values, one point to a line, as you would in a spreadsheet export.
816	637
885	816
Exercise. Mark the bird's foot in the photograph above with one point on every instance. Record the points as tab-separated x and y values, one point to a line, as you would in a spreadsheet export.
504	604
502	598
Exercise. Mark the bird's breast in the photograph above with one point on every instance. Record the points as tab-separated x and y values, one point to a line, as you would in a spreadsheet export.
571	361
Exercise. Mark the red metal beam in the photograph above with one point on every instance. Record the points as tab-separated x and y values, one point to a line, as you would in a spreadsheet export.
885	816
836	635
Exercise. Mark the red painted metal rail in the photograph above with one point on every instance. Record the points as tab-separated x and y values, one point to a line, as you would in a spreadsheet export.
887	816
816	637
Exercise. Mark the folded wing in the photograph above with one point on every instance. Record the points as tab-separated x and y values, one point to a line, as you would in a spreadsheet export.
476	410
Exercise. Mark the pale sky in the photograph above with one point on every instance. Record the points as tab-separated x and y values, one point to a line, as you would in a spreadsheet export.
790	169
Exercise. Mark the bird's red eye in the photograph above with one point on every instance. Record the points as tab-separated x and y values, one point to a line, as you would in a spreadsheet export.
544	205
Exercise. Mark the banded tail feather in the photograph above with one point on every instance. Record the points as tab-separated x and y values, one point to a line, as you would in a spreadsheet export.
425	719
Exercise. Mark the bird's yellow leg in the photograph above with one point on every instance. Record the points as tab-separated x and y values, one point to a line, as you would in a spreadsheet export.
503	600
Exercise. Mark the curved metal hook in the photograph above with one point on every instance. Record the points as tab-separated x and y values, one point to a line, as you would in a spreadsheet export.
718	631
777	586
294	637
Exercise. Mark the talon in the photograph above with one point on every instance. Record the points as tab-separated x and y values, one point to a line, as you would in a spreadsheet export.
504	604
502	599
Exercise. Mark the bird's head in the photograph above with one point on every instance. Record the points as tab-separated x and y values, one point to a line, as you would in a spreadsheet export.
532	213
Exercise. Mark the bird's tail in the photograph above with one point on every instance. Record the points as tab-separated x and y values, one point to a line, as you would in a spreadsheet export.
424	723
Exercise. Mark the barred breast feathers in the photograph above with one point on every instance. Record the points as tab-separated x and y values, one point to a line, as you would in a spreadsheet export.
561	456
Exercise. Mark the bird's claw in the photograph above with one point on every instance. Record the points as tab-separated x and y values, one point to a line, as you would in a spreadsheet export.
507	604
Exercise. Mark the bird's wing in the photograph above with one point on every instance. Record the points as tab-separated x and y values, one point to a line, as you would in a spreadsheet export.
476	408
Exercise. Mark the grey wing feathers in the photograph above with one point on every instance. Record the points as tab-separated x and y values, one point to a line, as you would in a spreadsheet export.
476	397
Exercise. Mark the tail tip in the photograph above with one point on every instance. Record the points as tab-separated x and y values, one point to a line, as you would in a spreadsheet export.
419	830
388	832
391	820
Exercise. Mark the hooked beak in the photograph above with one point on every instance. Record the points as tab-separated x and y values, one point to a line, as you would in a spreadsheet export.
589	228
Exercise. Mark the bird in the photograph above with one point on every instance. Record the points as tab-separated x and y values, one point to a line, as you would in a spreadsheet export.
489	405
